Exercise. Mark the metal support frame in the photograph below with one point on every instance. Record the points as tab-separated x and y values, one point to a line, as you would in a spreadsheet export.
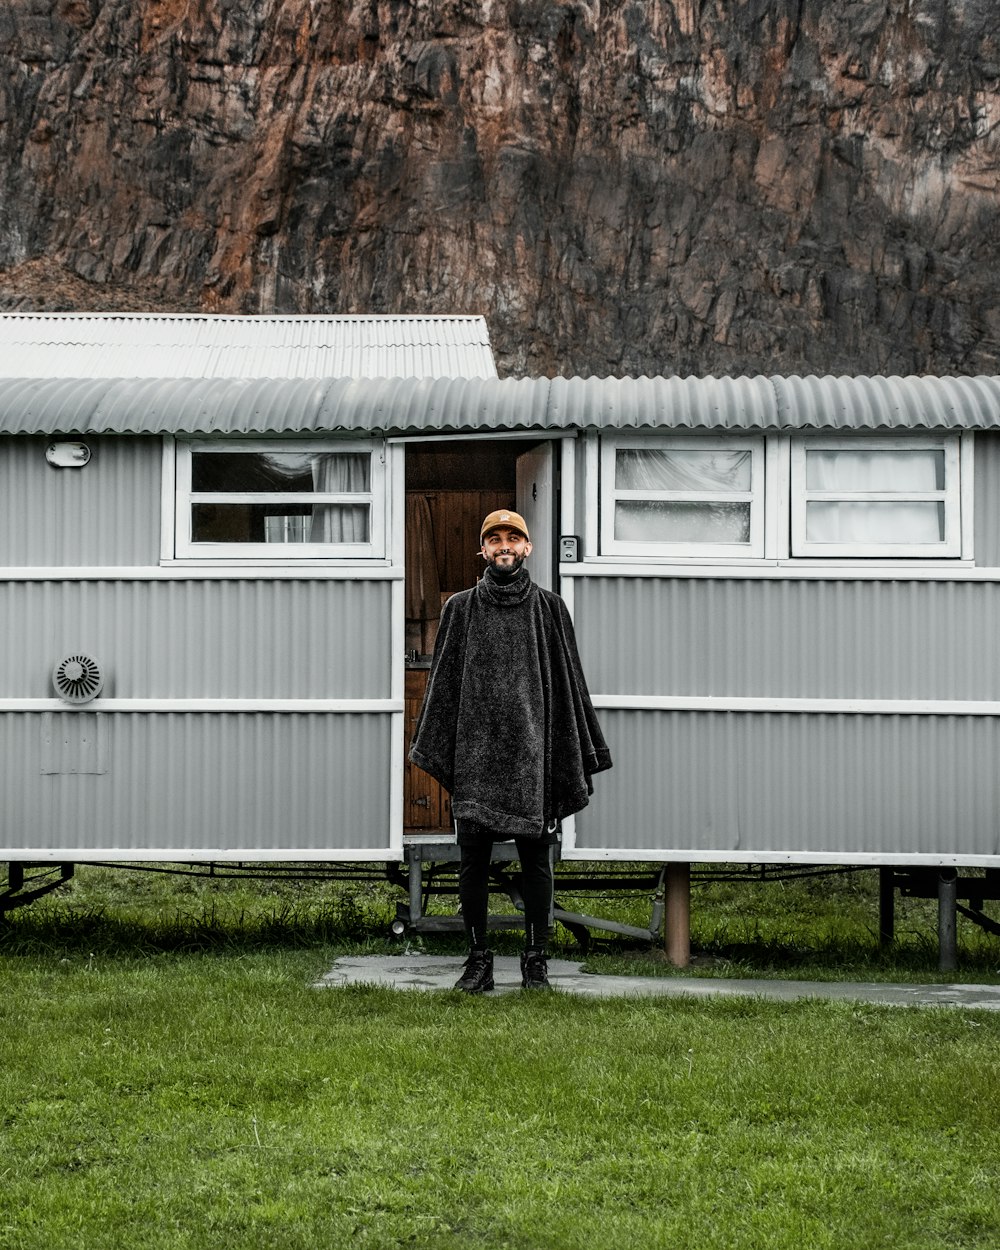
678	933
947	925
430	870
886	906
947	886
28	880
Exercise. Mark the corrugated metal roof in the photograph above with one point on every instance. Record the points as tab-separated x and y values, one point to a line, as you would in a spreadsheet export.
888	402
687	403
777	403
251	406
151	345
293	405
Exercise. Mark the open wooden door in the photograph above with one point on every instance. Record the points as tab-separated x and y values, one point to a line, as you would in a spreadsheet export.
536	502
451	485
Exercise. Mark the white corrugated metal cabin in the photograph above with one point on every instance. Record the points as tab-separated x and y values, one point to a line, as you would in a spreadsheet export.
786	592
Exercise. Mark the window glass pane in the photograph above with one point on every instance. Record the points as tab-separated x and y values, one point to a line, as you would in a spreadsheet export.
280	523
660	521
281	471
917	470
885	523
641	468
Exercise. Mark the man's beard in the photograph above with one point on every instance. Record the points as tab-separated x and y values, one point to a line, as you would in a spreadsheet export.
505	570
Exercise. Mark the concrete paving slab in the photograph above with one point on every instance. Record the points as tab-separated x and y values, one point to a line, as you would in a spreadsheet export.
440	972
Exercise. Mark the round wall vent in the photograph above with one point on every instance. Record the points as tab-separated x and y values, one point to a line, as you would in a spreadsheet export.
78	678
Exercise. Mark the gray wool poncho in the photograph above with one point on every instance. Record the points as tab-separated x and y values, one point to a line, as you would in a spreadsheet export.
507	725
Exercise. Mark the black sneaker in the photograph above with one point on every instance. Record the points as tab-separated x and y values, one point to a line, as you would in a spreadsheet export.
478	975
534	970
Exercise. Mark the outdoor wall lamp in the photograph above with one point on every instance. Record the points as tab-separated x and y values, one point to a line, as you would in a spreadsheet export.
67	455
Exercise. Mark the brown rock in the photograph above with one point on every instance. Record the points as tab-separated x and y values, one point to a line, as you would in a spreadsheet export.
635	187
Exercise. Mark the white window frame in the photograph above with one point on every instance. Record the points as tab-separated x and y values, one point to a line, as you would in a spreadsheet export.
611	496
277	553
951	496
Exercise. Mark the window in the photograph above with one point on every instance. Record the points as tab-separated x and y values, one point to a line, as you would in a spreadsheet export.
286	500
682	497
876	497
783	497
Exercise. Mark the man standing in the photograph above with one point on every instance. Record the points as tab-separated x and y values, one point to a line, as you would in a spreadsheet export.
508	728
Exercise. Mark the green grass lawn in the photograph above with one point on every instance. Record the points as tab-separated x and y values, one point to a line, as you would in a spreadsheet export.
170	1078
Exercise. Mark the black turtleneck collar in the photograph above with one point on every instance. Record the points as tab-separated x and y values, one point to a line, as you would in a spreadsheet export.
504	588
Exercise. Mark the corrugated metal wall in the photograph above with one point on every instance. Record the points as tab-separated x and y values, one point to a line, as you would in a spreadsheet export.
135	783
987	501
833	786
268	639
105	514
198	785
740	784
109	512
790	638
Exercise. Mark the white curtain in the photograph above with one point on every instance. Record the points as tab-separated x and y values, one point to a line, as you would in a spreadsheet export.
423	584
682	470
904	522
340	473
707	470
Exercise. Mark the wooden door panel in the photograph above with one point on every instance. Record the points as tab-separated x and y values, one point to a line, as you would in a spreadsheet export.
426	804
455	517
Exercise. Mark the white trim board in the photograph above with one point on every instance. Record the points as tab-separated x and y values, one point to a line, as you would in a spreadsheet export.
189	855
394	853
823	707
788	572
469	436
318	706
205	572
859	859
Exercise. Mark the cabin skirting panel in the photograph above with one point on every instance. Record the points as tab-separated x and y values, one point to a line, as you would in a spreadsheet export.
810	787
892	639
264	638
90	784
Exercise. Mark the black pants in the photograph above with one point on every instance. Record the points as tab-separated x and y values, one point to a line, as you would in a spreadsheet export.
474	885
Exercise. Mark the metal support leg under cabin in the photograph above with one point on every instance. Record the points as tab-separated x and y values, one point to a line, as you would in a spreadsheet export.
416	883
886	906
28	880
678	924
947	920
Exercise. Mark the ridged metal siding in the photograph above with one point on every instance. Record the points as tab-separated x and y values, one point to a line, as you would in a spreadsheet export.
986	496
144	345
268	639
202	785
790	638
836	785
295	405
105	514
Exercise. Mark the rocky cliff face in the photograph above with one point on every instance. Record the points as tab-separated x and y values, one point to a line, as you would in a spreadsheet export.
620	186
